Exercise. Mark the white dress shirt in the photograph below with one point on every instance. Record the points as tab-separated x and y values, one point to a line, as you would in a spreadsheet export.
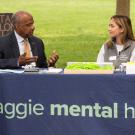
20	41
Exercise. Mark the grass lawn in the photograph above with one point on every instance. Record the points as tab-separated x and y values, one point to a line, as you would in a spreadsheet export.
76	29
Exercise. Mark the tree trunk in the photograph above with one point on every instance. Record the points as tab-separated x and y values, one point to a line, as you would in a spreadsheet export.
123	7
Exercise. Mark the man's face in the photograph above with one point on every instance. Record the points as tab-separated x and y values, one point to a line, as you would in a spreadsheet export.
25	26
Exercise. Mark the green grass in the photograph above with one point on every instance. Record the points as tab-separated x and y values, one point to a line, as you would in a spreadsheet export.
76	29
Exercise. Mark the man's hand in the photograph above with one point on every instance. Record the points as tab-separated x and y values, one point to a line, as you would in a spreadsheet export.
53	59
26	60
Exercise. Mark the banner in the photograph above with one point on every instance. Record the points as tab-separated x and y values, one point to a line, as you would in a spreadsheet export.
5	23
67	104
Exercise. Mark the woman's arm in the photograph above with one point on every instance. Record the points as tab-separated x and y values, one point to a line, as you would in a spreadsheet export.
100	57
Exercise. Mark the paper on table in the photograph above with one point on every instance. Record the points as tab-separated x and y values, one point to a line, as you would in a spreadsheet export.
130	68
11	71
52	70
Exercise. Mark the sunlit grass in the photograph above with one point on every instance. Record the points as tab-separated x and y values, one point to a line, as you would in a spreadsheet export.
76	29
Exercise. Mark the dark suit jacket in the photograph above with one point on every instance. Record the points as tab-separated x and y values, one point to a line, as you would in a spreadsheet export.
9	51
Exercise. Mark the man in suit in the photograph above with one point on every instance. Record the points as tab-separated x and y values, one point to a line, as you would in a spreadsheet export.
12	46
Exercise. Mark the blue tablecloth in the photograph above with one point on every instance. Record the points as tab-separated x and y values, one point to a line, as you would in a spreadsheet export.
33	104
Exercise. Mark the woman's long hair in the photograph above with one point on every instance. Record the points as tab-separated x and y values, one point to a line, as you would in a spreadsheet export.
123	22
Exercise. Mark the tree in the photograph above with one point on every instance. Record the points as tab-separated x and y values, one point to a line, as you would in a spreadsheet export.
123	7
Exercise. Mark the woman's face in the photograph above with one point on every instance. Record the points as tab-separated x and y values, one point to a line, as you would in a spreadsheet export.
114	30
